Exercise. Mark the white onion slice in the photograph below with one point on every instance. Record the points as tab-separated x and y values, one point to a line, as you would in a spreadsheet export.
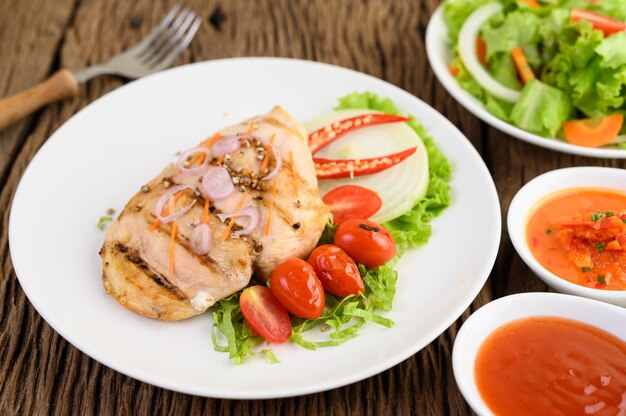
217	183
165	198
198	170
251	212
200	239
279	162
467	52
226	144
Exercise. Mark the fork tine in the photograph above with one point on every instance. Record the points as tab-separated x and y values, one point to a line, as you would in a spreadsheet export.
169	59
150	37
170	43
162	39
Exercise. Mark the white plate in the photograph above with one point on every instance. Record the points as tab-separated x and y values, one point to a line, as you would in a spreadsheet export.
526	199
523	305
100	157
440	54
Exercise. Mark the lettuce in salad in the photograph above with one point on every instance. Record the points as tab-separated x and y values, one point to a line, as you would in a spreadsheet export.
342	318
581	72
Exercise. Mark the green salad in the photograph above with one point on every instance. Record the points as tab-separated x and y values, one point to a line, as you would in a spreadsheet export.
556	68
343	317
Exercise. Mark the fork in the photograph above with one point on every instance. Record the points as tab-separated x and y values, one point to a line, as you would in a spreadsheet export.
155	52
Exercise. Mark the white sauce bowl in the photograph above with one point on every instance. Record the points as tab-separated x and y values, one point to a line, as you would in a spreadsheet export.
544	185
504	310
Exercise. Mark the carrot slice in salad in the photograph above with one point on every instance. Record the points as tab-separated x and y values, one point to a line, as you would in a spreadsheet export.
524	70
481	51
593	132
533	4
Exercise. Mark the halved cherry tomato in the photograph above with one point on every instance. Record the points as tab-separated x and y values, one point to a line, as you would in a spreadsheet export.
593	132
366	242
297	288
352	201
604	23
265	314
338	273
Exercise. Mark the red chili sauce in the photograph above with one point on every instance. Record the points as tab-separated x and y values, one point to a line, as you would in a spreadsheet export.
580	235
552	366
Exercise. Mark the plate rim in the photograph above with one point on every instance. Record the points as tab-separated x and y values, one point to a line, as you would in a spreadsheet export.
383	365
434	32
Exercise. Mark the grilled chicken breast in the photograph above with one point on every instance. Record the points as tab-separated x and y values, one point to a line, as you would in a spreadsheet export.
291	218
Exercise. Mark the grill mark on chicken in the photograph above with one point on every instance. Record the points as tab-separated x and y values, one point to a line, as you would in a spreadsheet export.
207	260
133	257
277	123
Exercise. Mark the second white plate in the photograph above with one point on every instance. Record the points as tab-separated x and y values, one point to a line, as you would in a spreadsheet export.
440	54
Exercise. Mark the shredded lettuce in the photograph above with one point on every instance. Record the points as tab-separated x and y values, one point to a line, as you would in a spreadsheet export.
588	68
342	318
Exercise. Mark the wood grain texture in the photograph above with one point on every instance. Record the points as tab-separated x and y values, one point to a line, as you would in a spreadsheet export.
41	373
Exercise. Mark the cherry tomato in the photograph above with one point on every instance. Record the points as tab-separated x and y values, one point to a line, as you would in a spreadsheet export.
298	289
338	273
366	242
352	201
265	314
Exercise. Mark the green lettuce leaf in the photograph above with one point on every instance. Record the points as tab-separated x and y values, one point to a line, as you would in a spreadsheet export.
541	109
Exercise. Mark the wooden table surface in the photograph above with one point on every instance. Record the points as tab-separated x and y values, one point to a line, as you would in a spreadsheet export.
41	373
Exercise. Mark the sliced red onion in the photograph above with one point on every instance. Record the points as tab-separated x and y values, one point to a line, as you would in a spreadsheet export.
279	162
165	198
217	183
200	239
251	212
198	170
226	144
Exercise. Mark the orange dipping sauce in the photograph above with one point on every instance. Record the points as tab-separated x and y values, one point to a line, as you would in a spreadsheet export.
580	235
552	366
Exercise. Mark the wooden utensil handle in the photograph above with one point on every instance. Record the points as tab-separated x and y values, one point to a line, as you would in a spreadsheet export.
62	84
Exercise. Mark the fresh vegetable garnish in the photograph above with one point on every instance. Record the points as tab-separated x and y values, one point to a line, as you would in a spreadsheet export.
265	314
606	24
342	319
481	51
233	217
338	168
352	201
103	221
338	273
170	267
366	242
325	135
524	70
297	288
593	132
270	207
571	62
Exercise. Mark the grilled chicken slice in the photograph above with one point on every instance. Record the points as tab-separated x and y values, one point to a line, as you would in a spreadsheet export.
291	218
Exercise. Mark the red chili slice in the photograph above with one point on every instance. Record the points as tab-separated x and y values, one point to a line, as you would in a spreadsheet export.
604	23
322	137
345	168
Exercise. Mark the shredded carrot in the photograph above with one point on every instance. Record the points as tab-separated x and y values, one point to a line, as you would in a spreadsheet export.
454	70
294	178
232	219
212	140
268	223
172	246
266	158
250	128
167	209
523	69
220	160
532	4
205	213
